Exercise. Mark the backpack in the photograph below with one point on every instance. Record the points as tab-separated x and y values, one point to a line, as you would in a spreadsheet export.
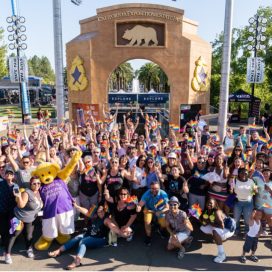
229	223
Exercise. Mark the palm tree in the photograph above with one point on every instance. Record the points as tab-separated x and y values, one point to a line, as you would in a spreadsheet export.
149	76
122	76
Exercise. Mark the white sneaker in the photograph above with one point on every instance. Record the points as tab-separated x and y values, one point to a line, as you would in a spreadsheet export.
129	239
30	253
8	259
114	244
220	258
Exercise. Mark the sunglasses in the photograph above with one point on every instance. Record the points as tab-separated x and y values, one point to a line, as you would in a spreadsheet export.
26	162
122	194
201	162
114	162
2	167
173	205
35	183
14	149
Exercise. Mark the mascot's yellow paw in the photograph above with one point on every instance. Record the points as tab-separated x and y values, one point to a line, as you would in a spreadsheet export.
43	243
63	238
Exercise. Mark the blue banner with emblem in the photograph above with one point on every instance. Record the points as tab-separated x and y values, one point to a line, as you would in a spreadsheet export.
158	98
122	98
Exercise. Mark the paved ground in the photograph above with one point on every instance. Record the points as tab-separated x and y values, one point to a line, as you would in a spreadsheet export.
137	257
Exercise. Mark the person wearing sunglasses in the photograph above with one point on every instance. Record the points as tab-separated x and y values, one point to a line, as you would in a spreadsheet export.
95	236
23	173
155	203
197	185
29	203
139	186
115	177
123	213
179	227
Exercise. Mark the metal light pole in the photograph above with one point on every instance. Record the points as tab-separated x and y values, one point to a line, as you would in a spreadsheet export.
257	28
58	49
17	38
58	60
225	70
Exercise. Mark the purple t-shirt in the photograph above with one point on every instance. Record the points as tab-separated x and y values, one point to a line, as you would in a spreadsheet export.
56	198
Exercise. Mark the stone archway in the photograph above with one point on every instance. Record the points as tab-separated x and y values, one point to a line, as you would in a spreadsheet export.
129	31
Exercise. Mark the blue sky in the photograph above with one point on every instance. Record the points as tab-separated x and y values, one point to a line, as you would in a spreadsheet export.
39	19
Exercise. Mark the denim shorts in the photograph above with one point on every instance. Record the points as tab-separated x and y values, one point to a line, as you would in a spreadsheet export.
251	243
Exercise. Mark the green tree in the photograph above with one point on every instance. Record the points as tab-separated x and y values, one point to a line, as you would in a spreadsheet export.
149	76
3	52
239	55
41	67
121	77
152	76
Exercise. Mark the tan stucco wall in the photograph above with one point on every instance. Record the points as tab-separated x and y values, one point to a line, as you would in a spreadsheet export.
96	46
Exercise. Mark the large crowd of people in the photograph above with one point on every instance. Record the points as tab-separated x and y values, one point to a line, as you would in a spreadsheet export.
128	174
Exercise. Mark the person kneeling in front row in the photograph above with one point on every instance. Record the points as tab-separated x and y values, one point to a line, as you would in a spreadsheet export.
96	236
216	223
179	227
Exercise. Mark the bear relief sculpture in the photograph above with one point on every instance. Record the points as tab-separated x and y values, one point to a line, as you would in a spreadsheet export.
139	33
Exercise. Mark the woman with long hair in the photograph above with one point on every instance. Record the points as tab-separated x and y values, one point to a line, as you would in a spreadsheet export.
124	211
29	203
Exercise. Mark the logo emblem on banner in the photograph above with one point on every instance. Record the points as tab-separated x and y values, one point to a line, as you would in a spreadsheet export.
200	81
77	80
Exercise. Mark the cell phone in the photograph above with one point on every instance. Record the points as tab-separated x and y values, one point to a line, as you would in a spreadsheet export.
16	190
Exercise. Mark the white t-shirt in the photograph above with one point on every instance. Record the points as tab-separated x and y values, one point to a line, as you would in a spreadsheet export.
244	190
141	177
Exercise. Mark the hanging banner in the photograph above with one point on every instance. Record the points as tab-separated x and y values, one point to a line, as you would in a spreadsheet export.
18	72
157	98
122	98
255	70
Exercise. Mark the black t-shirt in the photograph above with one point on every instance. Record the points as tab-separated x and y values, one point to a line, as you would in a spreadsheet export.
172	185
122	217
114	183
88	182
97	228
195	182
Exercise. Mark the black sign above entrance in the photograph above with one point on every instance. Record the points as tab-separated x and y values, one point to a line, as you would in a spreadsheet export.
154	98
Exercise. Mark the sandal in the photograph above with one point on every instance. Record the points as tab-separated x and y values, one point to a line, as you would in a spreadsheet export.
74	264
54	254
254	258
243	259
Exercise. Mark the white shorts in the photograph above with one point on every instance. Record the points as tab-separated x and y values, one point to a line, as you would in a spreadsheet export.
223	233
62	223
182	236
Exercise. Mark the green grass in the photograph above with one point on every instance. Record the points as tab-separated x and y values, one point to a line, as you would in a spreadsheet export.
17	110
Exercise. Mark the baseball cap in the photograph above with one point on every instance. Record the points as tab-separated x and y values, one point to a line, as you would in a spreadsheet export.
172	155
174	199
152	145
9	170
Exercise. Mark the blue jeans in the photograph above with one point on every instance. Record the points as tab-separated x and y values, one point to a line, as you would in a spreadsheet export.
245	208
84	242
